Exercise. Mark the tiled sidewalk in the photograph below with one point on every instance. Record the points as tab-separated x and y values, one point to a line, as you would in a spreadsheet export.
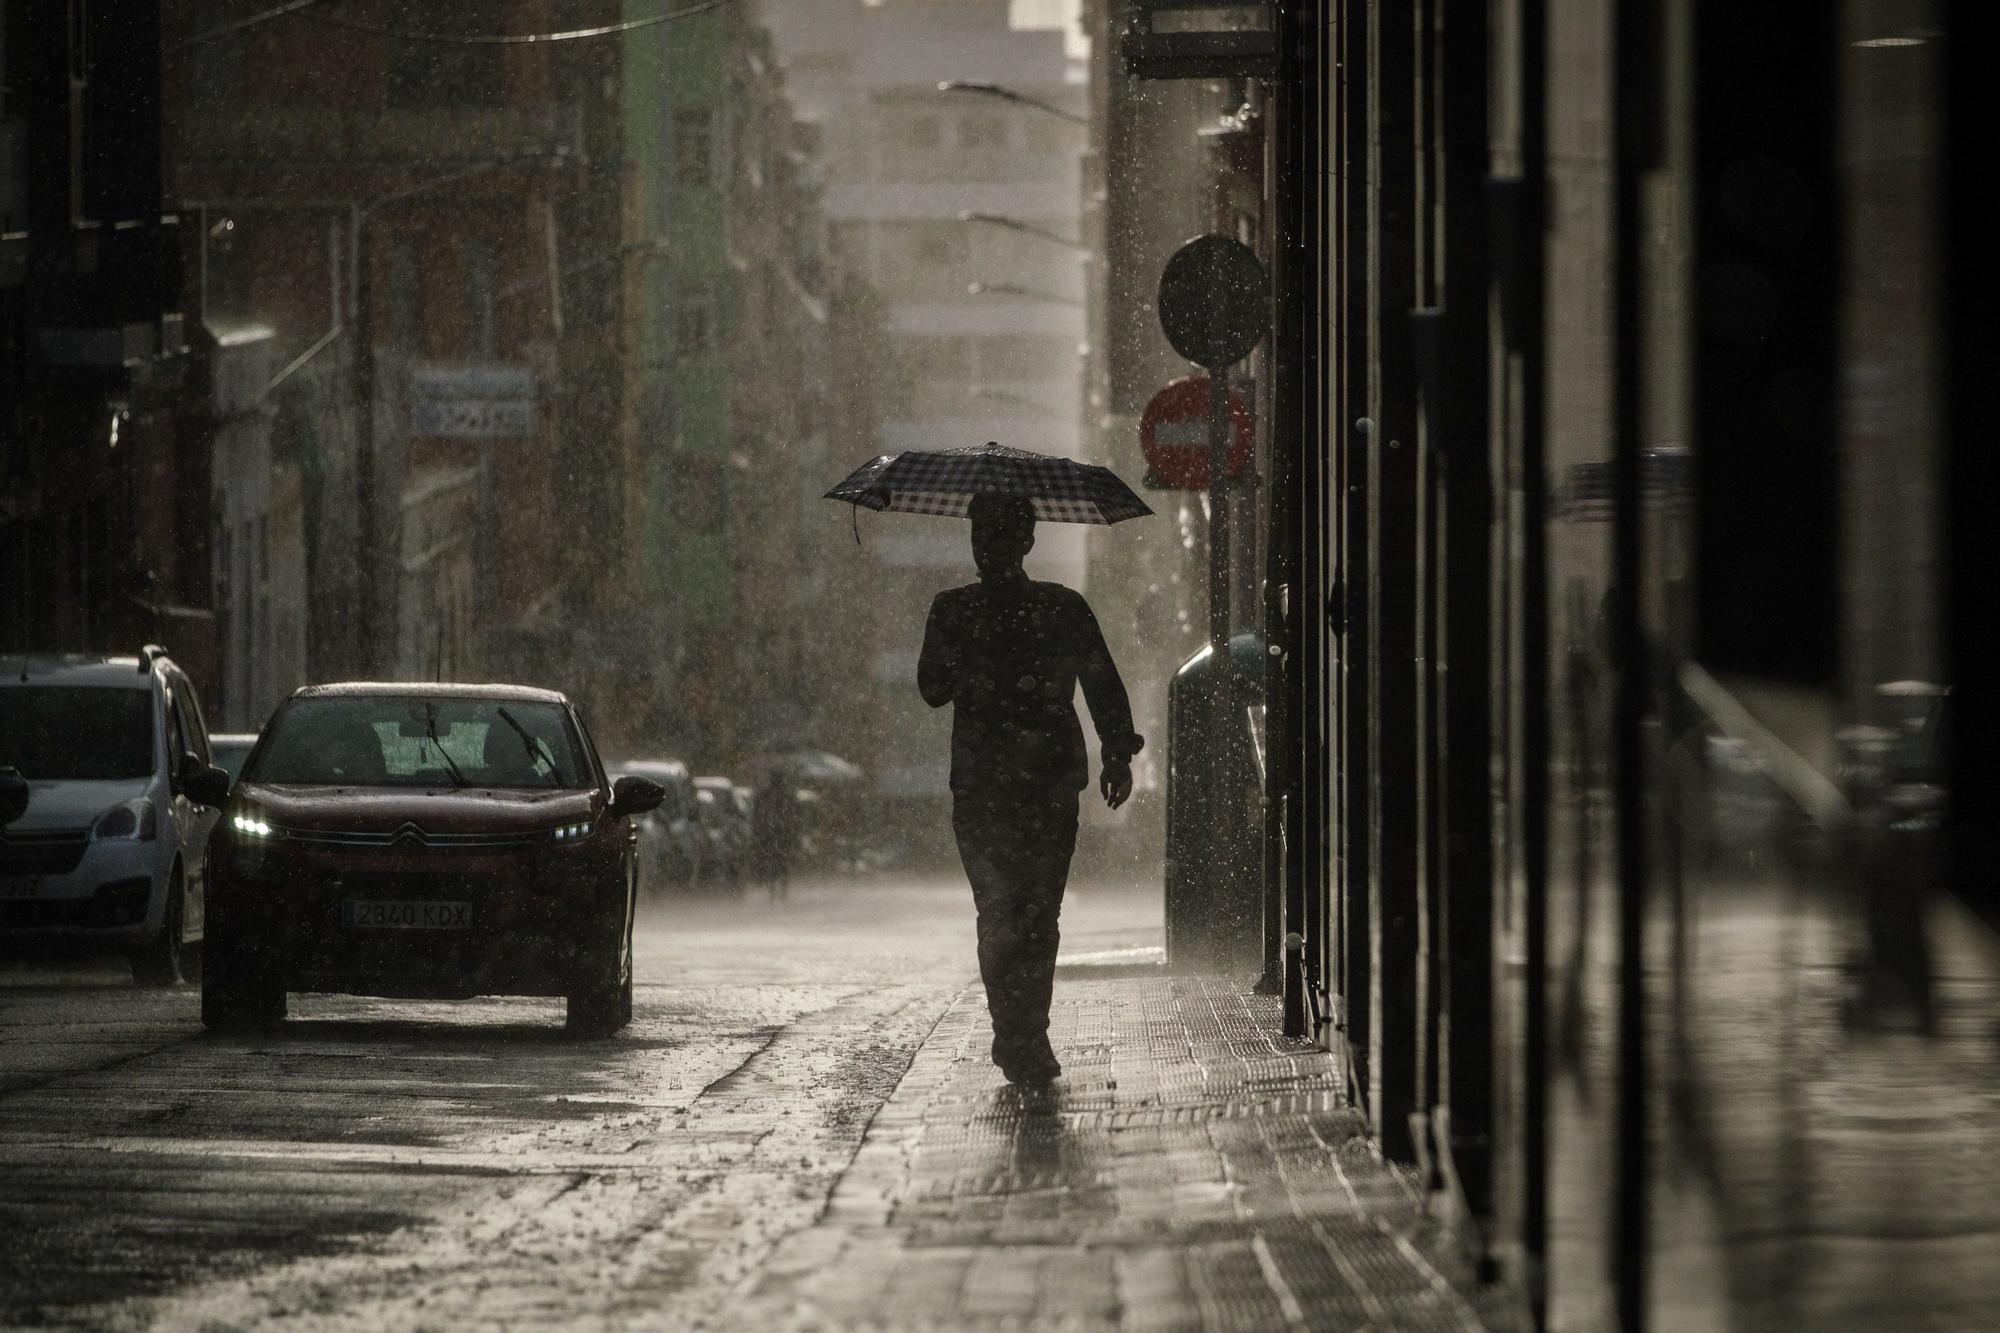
1191	1170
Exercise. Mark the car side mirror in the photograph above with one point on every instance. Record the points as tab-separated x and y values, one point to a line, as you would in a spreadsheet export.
635	795
207	785
14	792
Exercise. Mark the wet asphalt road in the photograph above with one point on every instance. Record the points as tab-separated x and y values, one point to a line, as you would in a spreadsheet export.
391	1164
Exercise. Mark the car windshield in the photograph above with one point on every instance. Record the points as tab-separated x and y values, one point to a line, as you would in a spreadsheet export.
414	741
76	733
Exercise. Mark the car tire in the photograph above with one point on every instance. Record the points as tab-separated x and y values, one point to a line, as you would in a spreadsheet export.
602	1008
157	963
236	994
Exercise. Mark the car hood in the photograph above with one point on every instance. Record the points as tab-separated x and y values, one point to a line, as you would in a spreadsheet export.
382	809
69	803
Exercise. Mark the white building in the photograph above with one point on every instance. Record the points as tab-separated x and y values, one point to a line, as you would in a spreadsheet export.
987	318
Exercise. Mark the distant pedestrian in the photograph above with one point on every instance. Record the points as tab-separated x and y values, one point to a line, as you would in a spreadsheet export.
774	831
1007	653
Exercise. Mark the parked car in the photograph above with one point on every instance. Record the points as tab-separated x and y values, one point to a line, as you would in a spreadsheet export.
426	842
111	851
231	748
726	819
672	846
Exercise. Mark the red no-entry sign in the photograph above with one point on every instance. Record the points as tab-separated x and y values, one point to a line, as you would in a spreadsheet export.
1173	434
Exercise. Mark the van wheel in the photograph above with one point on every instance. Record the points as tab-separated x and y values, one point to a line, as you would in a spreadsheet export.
157	964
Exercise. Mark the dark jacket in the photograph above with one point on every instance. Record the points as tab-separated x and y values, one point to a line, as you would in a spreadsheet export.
1008	655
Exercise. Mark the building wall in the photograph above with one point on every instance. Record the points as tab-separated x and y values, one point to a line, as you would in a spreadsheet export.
1641	1061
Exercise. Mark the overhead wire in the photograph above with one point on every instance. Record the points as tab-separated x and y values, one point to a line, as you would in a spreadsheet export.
444	38
248	21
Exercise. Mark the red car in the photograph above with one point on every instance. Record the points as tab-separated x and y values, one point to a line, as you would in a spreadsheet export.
423	842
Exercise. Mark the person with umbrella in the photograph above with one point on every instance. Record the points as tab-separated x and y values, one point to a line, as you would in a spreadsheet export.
1007	653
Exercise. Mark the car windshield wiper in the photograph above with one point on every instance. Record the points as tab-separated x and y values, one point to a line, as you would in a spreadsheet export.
536	750
431	731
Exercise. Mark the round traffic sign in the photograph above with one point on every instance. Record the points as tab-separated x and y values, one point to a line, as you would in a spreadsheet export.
1214	301
1173	434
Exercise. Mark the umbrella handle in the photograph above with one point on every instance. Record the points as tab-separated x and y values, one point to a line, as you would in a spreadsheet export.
854	512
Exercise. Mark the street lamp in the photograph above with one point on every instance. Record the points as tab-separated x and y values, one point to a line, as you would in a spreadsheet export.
1025	228
984	89
1016	289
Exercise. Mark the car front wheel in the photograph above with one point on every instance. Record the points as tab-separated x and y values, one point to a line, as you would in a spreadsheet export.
604	1005
237	993
157	963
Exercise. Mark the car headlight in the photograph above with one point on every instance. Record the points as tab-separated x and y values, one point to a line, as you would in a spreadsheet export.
571	832
134	821
252	824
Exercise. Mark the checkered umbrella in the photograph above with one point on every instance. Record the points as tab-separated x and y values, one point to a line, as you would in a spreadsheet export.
943	481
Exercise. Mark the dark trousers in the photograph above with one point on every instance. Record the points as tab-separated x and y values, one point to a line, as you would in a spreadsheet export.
1016	848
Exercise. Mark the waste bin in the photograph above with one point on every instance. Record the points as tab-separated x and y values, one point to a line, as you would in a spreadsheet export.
1215	889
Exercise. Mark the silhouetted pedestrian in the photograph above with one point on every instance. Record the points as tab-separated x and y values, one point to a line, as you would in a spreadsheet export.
774	831
1007	653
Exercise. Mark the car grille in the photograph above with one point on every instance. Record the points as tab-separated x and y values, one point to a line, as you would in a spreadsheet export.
409	835
41	851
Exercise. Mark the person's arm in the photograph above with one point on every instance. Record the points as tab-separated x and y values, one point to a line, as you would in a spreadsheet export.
1110	709
937	666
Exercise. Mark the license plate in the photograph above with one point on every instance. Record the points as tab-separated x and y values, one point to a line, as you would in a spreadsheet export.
404	914
31	887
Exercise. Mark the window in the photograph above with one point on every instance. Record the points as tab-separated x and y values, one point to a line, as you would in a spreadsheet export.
923	132
482	298
406	296
934	247
694	146
441	74
936	357
694	324
76	733
982	130
1022	356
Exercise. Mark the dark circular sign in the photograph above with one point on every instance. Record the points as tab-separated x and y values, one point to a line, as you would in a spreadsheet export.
1214	301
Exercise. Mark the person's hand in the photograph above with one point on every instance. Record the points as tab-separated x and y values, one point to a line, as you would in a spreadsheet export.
1115	782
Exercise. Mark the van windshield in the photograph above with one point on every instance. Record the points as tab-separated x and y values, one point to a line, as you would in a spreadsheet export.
412	741
77	733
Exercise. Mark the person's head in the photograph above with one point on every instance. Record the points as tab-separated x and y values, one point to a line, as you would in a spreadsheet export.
1003	531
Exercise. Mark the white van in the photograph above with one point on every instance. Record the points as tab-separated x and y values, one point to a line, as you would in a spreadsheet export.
110	852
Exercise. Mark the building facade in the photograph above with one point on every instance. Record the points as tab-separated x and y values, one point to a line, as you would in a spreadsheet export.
429	228
758	371
1628	807
104	472
963	211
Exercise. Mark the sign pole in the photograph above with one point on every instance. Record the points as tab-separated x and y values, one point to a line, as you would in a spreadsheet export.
1214	308
1225	813
1218	510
